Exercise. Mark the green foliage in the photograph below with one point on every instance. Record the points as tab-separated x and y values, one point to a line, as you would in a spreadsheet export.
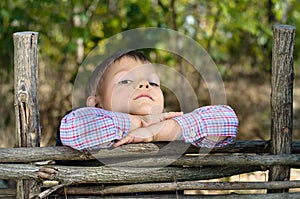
231	31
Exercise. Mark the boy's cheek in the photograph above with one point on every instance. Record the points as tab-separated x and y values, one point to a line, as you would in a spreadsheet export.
119	95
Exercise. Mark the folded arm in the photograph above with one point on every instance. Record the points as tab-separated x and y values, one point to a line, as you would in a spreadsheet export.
209	126
90	128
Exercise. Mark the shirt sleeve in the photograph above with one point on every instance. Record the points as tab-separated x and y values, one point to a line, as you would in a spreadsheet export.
93	128
218	120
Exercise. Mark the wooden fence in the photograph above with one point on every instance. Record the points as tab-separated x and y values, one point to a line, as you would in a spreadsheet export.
146	170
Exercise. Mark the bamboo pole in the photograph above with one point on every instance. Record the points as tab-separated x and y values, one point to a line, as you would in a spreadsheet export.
26	101
282	99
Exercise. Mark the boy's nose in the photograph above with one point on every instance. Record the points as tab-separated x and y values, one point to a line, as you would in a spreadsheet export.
143	85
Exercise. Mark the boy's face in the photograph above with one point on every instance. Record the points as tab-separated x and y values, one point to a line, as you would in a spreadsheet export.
130	86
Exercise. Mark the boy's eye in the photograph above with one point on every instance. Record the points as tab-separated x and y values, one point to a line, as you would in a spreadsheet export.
125	81
153	84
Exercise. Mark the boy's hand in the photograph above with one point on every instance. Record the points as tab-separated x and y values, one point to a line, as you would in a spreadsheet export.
136	136
167	130
138	121
148	120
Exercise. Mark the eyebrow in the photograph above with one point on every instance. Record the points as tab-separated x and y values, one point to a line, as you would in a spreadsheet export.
122	70
116	73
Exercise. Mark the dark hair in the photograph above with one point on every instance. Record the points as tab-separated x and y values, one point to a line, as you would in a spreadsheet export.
94	80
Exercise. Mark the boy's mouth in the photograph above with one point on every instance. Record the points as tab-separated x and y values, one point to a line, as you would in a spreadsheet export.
143	96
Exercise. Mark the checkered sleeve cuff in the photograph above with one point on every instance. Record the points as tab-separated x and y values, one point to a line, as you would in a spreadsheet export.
92	128
206	121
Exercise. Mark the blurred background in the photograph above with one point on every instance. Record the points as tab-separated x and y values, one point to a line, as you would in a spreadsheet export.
236	34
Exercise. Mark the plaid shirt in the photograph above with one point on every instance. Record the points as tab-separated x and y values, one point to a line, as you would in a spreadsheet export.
92	128
209	121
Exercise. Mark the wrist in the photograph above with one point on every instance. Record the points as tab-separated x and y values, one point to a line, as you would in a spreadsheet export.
135	122
167	130
176	129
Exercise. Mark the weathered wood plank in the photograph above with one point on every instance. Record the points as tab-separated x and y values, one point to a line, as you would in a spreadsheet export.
292	160
174	194
175	186
207	160
282	98
105	174
224	196
23	154
28	133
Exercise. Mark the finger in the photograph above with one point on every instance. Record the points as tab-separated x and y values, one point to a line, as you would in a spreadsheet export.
118	143
174	114
145	124
124	140
170	115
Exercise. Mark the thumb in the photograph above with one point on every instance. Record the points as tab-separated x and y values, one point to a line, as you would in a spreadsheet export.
144	123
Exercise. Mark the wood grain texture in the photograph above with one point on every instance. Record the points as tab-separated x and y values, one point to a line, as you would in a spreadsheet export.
282	99
28	133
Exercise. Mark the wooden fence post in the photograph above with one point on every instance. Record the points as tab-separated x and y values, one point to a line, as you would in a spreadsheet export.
26	101
282	99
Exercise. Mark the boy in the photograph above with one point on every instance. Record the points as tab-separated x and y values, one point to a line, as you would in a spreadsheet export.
125	105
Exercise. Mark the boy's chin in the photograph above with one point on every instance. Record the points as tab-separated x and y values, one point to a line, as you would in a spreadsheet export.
147	110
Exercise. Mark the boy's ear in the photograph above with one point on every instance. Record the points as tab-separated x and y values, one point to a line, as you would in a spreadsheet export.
93	101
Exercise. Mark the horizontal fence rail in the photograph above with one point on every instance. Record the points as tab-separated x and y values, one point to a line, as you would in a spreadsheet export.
142	159
24	154
107	174
173	186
